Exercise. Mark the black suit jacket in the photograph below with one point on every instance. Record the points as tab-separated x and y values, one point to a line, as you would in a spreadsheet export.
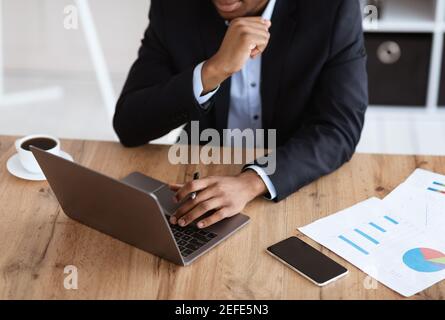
313	82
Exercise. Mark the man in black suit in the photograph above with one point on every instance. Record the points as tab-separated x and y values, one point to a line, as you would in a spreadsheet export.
297	66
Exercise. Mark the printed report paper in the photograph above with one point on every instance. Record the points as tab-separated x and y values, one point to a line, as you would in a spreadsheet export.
390	242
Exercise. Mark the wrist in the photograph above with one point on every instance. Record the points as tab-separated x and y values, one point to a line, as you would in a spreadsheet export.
254	184
212	75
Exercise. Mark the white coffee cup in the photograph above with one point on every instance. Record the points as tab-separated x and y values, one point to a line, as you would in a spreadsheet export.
27	158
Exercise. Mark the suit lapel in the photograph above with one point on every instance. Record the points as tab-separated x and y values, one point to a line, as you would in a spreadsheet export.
274	57
212	29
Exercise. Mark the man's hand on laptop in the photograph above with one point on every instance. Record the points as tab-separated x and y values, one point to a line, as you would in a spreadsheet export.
227	196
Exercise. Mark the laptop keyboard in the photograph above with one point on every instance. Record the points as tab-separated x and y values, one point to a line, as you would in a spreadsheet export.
190	239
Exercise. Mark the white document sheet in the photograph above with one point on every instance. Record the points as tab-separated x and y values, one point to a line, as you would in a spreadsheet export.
421	198
389	241
424	179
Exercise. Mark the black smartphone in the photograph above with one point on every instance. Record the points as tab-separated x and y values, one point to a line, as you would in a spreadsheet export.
307	261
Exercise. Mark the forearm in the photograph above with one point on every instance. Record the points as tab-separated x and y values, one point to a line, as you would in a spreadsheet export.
310	154
151	112
212	75
333	123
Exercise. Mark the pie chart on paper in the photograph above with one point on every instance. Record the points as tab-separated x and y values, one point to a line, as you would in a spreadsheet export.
424	260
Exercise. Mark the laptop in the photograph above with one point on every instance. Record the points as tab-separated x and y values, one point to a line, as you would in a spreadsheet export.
134	210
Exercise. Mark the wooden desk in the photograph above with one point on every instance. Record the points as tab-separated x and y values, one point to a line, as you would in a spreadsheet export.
37	240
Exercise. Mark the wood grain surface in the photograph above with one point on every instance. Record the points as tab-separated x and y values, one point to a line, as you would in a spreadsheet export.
37	240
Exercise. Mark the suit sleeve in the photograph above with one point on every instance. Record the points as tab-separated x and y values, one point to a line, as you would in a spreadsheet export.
335	116
155	99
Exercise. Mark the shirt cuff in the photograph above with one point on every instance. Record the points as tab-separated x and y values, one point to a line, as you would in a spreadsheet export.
198	87
269	185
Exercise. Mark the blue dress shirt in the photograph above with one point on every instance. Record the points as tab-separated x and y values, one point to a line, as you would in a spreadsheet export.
245	99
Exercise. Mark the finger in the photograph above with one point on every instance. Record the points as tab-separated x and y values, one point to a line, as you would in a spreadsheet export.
219	215
192	186
259	40
246	28
202	196
255	52
250	34
258	43
250	20
199	210
256	47
175	186
254	30
255	27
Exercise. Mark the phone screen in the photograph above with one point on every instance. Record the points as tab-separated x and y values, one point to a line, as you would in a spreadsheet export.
307	261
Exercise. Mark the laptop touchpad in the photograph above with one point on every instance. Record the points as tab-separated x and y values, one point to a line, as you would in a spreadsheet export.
142	181
165	197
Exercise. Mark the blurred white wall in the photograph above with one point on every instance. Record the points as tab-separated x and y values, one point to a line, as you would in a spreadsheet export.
35	38
40	52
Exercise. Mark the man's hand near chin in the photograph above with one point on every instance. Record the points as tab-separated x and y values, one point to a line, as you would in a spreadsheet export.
245	38
226	195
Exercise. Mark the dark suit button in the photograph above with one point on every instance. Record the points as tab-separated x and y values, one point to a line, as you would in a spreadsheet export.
253	84
256	117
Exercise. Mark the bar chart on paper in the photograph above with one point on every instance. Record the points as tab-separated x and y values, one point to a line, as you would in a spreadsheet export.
385	243
421	199
427	180
369	233
438	187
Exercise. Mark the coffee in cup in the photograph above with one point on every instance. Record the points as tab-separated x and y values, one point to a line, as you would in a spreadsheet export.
41	141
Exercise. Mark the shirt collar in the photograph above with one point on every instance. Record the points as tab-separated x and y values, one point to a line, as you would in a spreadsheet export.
267	13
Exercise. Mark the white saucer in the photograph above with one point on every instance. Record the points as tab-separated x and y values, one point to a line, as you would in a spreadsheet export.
15	168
